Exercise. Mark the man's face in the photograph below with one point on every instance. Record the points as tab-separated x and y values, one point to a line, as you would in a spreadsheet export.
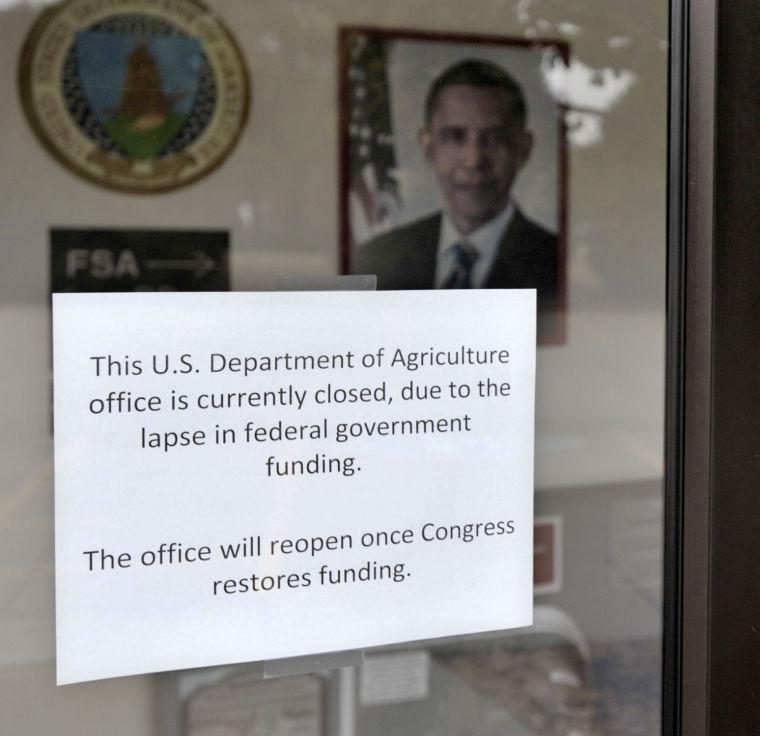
475	146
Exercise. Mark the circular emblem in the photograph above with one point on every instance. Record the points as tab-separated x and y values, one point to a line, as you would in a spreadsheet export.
136	95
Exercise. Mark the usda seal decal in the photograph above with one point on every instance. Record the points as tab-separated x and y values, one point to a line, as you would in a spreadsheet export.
136	95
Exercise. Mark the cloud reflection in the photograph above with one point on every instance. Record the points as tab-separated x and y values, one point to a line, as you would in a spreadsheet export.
588	93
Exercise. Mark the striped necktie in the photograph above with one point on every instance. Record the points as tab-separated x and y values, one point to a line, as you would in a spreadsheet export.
463	256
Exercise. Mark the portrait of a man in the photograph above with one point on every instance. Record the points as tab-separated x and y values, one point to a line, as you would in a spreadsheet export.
475	140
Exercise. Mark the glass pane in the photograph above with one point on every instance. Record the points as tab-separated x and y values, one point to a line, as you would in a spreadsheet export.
338	154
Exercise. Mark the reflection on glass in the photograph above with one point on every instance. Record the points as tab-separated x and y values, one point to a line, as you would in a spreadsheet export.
591	663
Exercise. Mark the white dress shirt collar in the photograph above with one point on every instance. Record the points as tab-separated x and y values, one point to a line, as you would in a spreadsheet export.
485	240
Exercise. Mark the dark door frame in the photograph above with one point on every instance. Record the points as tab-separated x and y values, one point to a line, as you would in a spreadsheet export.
712	610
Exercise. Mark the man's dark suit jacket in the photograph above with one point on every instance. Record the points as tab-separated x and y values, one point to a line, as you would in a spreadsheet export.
527	258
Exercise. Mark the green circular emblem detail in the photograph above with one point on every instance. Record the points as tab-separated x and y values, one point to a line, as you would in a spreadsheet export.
135	95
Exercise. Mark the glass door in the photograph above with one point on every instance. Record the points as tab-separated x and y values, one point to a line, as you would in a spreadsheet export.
316	144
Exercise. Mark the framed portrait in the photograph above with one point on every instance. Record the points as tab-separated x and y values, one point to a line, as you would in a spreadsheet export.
453	164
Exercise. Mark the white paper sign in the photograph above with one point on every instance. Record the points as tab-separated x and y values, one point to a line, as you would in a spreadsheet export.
253	476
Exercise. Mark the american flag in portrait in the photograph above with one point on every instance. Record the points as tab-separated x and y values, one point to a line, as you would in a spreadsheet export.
373	185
